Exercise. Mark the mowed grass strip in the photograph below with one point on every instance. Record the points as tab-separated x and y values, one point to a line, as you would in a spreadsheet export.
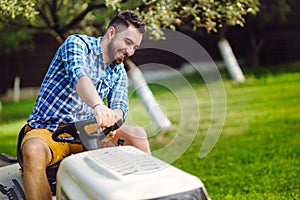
257	154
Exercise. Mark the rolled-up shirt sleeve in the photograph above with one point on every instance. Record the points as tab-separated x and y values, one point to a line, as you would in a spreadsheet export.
73	52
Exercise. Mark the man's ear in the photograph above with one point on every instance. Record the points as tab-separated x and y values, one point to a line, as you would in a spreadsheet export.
111	32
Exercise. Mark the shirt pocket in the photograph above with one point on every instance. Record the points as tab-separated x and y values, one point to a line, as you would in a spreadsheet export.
104	86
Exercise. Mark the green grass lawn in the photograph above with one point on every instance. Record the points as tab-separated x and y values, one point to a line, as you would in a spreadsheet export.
257	154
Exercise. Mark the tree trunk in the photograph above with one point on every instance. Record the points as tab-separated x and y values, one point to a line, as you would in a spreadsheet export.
228	56
230	61
256	46
144	92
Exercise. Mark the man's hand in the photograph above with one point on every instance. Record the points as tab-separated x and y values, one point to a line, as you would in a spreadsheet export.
105	117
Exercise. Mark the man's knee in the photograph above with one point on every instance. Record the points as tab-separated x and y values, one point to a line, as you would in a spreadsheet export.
139	132
36	151
140	139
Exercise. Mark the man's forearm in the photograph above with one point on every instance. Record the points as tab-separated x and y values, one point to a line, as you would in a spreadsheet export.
87	92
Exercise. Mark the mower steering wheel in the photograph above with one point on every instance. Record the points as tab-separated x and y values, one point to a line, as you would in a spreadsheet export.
76	133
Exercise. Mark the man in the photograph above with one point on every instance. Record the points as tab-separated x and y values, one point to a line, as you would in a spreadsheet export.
84	71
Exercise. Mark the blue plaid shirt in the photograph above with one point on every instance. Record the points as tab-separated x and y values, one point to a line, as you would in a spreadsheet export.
58	102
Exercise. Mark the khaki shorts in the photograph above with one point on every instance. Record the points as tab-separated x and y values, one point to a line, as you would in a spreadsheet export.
59	150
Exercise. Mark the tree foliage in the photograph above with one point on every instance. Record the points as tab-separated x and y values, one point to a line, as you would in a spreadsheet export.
63	17
12	38
11	9
209	14
270	11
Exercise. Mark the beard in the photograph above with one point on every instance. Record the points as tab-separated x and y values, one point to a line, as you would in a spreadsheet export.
115	55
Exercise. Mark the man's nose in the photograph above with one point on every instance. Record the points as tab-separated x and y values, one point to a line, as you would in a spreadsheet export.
130	51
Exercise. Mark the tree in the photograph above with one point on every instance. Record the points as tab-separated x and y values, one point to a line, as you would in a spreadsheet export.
11	37
63	17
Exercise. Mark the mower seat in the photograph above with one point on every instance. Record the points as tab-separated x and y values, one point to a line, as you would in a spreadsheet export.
51	171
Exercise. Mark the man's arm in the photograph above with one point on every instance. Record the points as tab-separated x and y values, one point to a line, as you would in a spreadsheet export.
87	92
119	114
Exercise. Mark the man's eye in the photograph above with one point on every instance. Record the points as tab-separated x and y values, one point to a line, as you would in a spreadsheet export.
128	42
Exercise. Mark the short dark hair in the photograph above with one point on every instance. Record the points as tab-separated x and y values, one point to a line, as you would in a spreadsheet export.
123	19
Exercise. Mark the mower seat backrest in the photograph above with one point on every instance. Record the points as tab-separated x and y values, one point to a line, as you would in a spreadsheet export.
51	170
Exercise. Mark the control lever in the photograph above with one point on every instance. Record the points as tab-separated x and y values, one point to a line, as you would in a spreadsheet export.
79	133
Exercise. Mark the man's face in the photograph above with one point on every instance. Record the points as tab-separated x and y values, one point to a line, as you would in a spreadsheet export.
124	44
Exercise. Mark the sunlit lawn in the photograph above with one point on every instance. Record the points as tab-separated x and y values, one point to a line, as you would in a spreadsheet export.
257	154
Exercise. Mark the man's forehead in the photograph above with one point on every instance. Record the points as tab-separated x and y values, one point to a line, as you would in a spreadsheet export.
132	29
132	33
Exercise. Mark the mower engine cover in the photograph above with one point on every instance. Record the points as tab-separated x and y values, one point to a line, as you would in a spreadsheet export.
124	172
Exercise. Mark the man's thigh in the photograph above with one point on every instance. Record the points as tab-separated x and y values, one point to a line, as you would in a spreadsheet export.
59	150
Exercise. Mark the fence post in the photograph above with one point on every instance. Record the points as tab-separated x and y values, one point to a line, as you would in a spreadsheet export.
17	89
